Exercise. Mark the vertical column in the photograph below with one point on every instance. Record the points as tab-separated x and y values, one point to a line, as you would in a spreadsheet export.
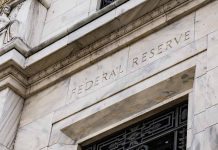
203	132
10	111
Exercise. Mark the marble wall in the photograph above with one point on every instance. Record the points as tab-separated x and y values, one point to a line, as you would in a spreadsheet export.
191	42
63	13
11	106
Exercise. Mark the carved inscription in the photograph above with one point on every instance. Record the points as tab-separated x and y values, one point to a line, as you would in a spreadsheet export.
109	76
106	73
98	80
159	49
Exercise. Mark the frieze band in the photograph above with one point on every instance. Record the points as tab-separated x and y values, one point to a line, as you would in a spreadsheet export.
2	2
107	39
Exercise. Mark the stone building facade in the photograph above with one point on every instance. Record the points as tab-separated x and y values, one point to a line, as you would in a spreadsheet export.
108	74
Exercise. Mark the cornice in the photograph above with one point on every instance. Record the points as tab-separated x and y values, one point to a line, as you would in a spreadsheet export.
141	27
149	23
96	46
11	82
11	70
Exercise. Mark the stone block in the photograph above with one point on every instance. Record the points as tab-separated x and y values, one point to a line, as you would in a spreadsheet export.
212	52
68	18
161	43
48	101
211	138
59	7
190	137
198	141
35	135
200	123
11	106
212	86
206	20
199	94
63	147
97	76
211	116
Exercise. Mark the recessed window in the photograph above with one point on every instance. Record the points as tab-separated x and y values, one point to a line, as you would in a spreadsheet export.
104	3
164	131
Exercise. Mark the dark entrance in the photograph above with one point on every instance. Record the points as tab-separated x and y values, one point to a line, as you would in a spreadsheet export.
164	131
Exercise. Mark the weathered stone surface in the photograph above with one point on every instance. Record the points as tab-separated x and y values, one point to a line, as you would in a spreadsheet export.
212	53
63	147
198	141
211	138
86	79
36	133
48	101
204	24
11	106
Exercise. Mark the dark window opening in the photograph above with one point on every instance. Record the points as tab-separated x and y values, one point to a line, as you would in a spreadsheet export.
165	131
104	3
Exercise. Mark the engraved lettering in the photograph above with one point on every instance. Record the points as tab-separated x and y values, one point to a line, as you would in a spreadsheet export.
160	49
144	57
178	40
80	89
168	44
135	61
187	35
152	53
74	91
89	85
112	74
97	80
120	69
104	77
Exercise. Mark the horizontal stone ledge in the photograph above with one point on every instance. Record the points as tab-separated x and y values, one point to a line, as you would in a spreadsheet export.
17	44
79	39
91	121
12	83
12	57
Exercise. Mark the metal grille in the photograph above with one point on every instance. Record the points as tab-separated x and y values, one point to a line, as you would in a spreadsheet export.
165	131
104	3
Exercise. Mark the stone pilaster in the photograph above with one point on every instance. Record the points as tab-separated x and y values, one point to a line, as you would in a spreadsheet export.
10	111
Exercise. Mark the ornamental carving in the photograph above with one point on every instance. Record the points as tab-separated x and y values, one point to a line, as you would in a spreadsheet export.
8	26
2	2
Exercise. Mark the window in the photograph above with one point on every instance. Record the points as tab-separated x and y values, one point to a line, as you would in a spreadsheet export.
104	3
164	131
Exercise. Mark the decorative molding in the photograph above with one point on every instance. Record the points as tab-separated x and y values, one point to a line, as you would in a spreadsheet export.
96	46
2	2
66	67
14	72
